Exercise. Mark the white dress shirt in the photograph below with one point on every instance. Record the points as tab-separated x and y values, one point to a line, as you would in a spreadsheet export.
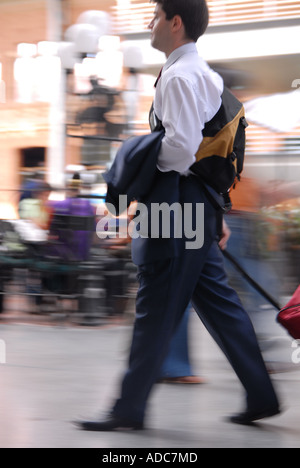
187	96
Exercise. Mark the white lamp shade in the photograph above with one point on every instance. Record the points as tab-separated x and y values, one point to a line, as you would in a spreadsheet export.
132	56
100	19
87	38
72	32
278	112
84	36
67	54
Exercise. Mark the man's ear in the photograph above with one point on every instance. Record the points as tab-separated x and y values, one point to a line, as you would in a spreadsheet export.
177	23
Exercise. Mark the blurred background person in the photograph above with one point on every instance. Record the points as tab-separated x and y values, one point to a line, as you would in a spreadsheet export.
177	367
34	205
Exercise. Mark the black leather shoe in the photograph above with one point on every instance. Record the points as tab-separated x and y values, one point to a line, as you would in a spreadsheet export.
110	423
249	417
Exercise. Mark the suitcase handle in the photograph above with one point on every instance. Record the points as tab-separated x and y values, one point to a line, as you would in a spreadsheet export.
250	280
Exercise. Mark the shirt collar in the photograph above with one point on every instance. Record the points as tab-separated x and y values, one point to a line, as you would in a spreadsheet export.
177	53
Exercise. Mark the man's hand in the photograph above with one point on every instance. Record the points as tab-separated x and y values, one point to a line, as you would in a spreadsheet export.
226	233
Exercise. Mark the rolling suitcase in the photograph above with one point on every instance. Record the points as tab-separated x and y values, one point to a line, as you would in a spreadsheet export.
289	316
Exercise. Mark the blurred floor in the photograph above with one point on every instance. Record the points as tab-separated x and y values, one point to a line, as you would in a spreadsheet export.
57	372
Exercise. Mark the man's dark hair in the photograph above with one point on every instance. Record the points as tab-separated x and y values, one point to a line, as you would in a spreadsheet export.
194	14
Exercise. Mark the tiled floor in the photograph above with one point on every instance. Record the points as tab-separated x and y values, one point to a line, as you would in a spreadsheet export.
56	372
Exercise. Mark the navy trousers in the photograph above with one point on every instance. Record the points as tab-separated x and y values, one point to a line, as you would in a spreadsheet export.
165	289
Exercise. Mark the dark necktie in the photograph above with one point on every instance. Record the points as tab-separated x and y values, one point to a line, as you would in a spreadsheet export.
155	123
158	78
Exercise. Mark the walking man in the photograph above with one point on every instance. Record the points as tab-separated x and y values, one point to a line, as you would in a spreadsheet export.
188	94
